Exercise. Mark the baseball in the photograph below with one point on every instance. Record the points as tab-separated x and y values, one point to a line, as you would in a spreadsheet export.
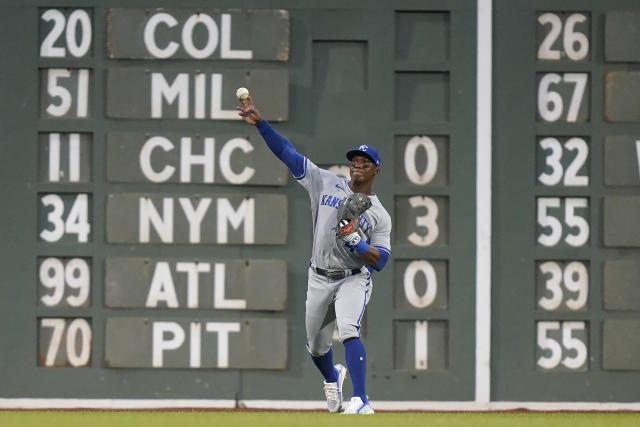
242	94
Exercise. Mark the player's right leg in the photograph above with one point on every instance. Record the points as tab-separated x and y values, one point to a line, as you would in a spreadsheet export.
320	327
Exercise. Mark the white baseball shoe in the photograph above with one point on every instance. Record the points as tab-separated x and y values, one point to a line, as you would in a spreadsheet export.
333	391
356	406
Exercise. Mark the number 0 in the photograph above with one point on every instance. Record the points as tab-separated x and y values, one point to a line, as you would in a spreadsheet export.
410	160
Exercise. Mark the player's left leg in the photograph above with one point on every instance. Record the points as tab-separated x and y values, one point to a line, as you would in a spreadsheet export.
351	300
334	375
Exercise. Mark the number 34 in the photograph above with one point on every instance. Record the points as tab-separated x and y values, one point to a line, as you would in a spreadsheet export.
76	221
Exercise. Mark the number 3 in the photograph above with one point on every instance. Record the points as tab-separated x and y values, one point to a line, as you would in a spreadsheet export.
428	221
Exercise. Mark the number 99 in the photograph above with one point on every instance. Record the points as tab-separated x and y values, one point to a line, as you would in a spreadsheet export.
55	275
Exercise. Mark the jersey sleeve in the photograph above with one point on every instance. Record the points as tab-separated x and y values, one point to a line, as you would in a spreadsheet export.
312	177
381	235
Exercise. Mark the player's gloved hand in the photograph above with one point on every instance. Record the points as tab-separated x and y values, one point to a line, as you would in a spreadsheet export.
351	237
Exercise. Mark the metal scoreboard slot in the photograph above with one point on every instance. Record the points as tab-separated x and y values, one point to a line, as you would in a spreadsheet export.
219	284
208	93
192	159
229	343
622	160
201	34
196	219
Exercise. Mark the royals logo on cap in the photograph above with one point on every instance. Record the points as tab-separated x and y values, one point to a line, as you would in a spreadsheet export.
367	151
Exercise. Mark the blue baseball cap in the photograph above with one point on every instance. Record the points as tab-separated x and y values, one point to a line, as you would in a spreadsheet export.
367	151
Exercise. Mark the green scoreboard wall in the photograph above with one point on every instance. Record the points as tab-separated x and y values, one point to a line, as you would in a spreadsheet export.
153	248
566	219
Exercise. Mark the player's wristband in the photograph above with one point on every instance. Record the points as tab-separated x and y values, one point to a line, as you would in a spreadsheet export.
361	247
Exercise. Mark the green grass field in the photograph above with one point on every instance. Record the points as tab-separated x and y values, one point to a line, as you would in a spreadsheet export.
315	419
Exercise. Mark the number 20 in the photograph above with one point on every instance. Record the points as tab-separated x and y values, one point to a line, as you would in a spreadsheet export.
47	48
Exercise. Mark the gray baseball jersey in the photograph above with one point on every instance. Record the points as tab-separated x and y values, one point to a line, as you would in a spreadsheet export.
349	296
326	192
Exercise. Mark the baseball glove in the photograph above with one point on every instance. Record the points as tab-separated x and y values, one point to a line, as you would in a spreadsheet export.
349	213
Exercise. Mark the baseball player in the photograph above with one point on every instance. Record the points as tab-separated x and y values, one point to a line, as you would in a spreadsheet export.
351	239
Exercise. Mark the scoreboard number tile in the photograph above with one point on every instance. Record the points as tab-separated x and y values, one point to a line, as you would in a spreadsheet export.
421	345
562	346
421	284
422	220
64	93
562	285
558	226
63	215
563	36
563	97
64	157
64	282
562	161
66	33
64	342
424	160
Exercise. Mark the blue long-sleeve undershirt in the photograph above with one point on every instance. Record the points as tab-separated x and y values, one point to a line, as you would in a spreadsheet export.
363	247
382	261
282	148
